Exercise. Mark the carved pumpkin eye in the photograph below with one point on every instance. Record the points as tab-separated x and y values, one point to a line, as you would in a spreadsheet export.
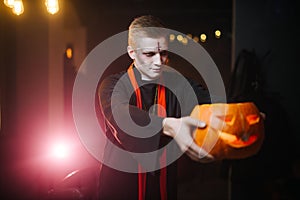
252	119
228	119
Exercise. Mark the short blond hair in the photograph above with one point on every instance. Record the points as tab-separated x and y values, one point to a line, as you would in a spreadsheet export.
146	26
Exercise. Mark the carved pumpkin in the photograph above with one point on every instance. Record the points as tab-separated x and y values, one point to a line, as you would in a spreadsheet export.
233	131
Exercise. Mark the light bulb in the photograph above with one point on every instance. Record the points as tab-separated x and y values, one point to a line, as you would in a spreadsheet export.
9	3
18	7
52	6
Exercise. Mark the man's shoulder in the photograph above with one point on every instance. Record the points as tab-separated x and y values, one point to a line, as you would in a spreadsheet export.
113	77
109	81
116	75
172	75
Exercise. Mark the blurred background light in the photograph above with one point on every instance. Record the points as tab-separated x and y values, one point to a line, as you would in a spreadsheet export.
217	34
60	150
172	37
203	37
18	7
184	41
52	6
189	36
69	53
196	39
9	3
179	38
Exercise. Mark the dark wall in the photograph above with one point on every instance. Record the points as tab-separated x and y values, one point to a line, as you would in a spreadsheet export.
269	28
24	96
105	19
8	68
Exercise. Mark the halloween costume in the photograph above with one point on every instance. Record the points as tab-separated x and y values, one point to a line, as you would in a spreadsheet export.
118	93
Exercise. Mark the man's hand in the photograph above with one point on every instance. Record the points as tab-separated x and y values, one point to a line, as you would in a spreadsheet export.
181	129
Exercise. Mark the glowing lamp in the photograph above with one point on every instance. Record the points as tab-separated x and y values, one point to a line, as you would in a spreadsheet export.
184	41
69	53
203	37
18	7
189	36
179	38
217	34
172	37
233	131
9	3
196	39
59	150
52	6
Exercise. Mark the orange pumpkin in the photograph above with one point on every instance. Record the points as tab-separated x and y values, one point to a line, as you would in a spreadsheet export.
233	131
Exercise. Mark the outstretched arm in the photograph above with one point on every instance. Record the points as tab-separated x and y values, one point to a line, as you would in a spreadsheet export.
181	129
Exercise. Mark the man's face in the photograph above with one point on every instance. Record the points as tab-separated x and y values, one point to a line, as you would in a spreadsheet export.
149	56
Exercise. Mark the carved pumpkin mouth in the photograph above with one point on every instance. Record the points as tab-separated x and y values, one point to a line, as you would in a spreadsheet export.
237	142
233	131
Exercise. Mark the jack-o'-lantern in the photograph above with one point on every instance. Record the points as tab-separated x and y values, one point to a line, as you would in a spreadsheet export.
233	130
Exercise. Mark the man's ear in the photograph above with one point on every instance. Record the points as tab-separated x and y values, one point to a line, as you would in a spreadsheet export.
131	52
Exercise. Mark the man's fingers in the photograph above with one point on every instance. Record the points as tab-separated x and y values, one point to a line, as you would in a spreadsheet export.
195	122
263	115
199	152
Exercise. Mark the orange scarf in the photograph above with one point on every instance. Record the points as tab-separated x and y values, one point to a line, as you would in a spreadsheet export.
161	99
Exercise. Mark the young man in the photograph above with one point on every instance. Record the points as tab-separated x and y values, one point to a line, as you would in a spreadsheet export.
146	109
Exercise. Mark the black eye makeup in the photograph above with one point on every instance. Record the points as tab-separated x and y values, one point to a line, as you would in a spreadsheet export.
149	54
162	53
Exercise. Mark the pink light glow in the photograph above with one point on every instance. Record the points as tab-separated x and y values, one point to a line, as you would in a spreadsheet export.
60	150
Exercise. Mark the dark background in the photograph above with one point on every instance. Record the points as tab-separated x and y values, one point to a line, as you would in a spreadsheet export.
269	27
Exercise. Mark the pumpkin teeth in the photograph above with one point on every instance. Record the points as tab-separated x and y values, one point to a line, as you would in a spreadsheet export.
233	131
236	142
228	138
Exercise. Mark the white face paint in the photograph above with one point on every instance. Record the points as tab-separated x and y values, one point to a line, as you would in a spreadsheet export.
150	56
